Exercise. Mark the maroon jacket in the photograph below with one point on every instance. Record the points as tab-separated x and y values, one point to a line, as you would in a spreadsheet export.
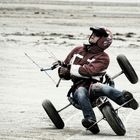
89	61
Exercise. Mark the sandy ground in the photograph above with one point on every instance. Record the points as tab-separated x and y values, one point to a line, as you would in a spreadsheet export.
59	27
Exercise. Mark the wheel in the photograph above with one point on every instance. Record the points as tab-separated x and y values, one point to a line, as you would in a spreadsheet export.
53	114
113	120
127	69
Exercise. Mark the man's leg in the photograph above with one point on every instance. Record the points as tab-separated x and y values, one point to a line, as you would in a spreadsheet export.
81	96
117	96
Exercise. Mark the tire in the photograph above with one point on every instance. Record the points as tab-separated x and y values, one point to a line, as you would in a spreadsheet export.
113	120
53	114
127	69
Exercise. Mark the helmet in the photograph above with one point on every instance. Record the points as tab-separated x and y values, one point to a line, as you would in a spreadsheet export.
99	32
105	37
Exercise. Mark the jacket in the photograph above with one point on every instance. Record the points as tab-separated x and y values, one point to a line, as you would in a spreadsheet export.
88	62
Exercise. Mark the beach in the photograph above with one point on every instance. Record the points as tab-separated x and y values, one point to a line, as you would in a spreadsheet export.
49	30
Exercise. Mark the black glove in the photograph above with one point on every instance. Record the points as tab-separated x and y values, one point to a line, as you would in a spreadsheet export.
64	73
109	81
56	64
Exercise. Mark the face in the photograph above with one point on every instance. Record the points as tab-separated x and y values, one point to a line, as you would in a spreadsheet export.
93	39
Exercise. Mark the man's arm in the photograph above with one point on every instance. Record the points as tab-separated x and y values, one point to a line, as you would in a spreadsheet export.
92	69
70	55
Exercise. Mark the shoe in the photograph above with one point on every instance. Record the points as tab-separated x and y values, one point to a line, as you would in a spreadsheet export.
133	103
87	123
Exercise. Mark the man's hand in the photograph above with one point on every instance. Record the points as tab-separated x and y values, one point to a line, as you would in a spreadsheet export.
109	81
64	73
56	64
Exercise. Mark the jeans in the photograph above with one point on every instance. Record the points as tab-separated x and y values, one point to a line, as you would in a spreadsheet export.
82	96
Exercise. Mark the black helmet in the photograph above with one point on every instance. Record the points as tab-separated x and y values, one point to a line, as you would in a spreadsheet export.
99	32
105	37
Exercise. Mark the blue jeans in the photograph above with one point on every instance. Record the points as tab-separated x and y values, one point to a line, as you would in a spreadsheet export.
82	96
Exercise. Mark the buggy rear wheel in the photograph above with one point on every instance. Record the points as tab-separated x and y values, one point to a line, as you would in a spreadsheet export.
127	69
53	114
113	120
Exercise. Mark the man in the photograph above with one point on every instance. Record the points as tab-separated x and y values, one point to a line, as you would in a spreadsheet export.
85	66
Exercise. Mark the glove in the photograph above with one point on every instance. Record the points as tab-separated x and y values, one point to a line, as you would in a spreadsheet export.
109	81
64	73
56	64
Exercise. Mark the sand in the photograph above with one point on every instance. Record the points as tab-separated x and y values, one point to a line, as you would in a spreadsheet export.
57	27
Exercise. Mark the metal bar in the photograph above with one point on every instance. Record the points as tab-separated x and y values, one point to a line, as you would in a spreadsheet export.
115	110
45	69
117	75
64	107
123	104
58	82
95	123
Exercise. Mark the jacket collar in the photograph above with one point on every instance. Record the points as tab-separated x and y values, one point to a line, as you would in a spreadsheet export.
93	48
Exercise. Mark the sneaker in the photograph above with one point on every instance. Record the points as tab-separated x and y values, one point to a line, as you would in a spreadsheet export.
133	103
87	123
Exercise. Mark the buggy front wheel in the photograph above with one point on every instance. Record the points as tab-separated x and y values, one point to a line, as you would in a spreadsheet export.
127	68
113	120
53	114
